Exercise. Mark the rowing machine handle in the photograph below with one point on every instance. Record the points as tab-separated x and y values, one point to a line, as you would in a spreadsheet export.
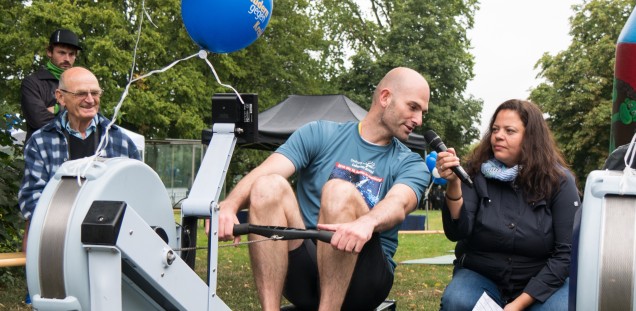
240	229
283	232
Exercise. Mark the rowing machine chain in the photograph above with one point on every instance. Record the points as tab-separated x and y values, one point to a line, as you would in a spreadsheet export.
273	237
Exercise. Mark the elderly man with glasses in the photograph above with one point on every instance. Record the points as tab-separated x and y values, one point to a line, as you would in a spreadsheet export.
73	134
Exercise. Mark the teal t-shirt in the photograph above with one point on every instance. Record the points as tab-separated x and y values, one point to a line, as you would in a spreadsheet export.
322	150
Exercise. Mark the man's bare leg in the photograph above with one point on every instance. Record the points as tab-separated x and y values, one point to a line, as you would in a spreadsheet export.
272	203
341	202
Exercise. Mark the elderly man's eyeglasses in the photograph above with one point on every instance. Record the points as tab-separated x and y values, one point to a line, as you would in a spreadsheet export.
84	94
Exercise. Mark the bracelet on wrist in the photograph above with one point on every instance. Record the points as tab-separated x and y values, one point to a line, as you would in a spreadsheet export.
453	199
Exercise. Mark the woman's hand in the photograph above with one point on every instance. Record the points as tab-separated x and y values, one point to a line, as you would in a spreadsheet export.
453	196
520	303
445	161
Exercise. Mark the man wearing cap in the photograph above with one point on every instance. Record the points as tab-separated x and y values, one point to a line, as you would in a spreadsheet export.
38	102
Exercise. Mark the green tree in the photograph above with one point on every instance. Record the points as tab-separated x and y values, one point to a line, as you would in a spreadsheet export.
429	37
299	53
175	103
11	165
577	92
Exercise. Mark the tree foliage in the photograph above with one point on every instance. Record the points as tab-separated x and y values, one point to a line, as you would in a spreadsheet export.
303	51
175	103
11	166
429	37
577	92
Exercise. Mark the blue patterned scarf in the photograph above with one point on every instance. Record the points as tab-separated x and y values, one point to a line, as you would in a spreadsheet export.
494	169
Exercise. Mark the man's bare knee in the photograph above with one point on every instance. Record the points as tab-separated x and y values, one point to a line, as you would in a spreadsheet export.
341	201
273	202
268	190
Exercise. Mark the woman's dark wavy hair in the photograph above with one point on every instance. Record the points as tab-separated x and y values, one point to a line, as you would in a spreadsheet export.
543	163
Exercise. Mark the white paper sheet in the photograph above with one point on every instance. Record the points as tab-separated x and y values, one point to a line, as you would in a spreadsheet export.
485	303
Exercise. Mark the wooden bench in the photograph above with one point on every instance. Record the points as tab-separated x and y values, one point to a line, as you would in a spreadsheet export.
12	259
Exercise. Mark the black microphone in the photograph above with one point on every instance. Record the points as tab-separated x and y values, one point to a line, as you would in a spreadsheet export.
438	145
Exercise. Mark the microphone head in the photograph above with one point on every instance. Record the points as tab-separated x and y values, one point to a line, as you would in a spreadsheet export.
434	141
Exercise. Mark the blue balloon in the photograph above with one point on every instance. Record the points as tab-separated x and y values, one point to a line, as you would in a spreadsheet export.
431	160
439	181
224	26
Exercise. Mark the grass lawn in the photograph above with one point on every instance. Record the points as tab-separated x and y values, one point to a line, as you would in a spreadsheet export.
416	287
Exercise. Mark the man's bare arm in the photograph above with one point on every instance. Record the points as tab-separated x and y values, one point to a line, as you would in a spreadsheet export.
239	196
387	213
392	210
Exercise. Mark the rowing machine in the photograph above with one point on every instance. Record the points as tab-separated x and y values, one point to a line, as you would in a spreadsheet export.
107	241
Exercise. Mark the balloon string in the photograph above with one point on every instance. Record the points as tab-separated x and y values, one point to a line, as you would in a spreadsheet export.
104	140
134	60
629	155
141	21
204	55
428	190
628	171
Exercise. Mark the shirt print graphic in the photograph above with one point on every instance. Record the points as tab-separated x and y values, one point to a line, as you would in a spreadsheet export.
368	185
